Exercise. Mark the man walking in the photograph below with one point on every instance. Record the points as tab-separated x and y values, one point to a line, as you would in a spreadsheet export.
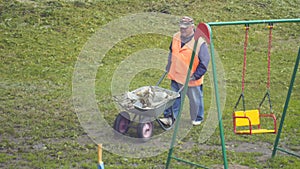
181	49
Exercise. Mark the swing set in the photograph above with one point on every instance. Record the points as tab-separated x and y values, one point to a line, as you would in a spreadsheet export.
243	118
252	118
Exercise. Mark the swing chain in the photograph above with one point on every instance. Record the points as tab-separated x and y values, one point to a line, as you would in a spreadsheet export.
270	26
269	54
244	68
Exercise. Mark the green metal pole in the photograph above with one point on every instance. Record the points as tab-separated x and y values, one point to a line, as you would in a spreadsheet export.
212	51
181	105
253	22
286	104
288	152
188	162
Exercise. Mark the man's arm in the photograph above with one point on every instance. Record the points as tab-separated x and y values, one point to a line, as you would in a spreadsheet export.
204	58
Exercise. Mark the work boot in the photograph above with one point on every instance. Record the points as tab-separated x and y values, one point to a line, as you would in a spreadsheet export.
166	121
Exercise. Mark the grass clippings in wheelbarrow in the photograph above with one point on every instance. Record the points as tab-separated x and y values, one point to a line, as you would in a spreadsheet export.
147	97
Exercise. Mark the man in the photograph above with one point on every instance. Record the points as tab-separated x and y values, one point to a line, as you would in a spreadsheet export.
181	49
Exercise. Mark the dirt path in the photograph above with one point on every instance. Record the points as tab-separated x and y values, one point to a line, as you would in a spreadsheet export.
265	149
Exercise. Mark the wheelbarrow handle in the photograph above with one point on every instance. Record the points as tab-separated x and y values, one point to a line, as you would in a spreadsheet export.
161	78
182	87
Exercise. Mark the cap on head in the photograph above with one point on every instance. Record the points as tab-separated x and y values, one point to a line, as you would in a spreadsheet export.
186	22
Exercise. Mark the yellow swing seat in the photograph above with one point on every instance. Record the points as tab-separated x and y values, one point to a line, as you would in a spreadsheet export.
250	118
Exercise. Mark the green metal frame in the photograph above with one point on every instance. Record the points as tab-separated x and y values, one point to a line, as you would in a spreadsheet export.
209	25
284	112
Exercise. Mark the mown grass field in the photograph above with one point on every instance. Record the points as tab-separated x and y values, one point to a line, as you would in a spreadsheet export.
40	42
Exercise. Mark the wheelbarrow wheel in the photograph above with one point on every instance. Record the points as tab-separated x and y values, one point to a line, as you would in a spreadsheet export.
122	122
145	130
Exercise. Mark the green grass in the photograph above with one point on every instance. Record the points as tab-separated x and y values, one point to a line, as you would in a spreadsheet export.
40	42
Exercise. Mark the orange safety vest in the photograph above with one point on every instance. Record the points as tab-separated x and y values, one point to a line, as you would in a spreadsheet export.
181	58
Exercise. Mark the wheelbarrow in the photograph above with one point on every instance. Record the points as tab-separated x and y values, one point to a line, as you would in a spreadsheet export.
145	112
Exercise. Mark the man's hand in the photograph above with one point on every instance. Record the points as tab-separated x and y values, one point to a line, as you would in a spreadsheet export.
192	78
